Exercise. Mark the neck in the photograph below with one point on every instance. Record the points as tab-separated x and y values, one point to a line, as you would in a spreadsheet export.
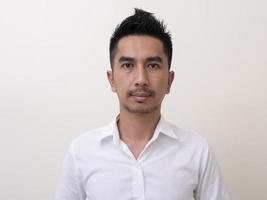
137	127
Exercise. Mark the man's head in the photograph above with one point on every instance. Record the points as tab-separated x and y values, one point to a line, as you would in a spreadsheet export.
141	23
140	59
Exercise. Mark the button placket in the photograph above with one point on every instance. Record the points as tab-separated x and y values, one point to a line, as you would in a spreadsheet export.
138	182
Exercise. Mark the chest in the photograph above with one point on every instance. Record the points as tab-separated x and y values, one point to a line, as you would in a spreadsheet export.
163	176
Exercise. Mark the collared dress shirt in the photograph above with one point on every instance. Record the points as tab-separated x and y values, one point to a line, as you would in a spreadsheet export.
176	164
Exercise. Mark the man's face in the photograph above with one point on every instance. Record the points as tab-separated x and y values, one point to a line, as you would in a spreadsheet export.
140	75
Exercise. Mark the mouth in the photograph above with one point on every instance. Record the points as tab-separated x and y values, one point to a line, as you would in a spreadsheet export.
140	96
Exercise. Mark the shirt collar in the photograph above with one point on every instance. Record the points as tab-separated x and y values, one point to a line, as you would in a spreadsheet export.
110	130
163	127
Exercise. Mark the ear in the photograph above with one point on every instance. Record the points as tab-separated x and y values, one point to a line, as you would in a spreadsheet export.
170	80
110	77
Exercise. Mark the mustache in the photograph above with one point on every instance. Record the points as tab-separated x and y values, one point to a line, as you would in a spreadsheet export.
145	90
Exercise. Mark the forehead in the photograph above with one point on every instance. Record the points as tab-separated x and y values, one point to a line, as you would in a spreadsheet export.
139	46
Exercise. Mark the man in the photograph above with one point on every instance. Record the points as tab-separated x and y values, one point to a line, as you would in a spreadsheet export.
140	155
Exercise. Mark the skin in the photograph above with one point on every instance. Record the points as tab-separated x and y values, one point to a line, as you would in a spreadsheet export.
141	79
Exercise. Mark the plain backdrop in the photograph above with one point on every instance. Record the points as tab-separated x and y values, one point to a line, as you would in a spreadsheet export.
53	86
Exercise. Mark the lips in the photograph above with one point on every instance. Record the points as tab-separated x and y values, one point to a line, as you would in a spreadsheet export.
140	96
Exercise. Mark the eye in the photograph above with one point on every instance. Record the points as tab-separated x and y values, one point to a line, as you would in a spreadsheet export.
127	65
153	66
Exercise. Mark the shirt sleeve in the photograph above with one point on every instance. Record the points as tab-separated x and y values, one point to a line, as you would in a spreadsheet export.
70	185
211	185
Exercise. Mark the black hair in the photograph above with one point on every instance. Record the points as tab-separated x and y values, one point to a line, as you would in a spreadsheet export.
141	23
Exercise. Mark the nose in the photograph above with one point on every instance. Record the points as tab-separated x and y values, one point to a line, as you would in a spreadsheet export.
141	78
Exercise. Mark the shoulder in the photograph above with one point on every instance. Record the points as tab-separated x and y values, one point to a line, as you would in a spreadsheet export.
89	140
194	145
189	138
188	135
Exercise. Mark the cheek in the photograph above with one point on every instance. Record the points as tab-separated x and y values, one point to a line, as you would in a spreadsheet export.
162	85
121	84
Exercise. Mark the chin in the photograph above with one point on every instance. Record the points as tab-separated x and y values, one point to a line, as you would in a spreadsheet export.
141	110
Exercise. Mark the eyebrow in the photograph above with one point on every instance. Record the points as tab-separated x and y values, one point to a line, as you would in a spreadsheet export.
126	58
154	58
148	59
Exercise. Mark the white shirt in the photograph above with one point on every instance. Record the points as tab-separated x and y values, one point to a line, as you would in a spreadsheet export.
176	164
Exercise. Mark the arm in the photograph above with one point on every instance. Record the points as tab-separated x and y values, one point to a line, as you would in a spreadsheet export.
210	186
70	185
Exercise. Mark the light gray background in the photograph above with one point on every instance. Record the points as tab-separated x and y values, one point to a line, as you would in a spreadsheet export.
53	87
